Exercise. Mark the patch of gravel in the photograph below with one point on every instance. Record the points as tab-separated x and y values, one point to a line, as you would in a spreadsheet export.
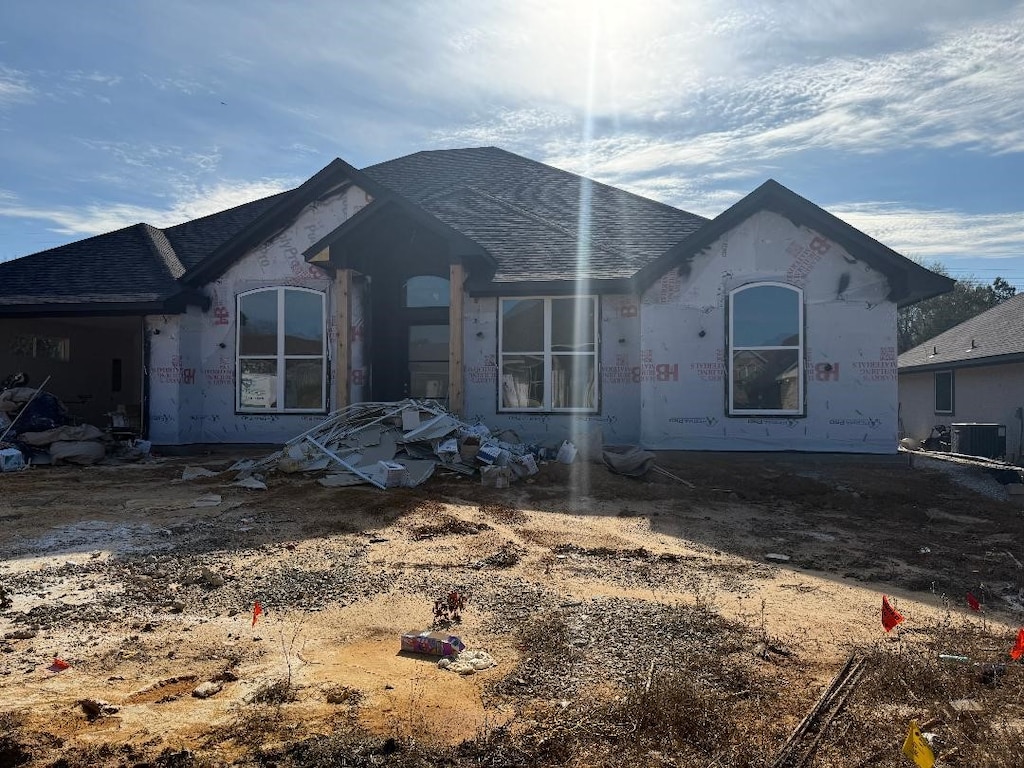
975	478
573	646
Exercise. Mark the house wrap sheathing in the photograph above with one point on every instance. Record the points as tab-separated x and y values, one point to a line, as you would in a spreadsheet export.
663	353
192	376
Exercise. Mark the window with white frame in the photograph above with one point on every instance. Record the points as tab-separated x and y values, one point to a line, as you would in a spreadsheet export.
548	354
944	392
282	365
766	350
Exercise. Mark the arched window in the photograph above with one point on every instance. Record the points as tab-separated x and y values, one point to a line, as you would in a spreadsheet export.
281	351
766	350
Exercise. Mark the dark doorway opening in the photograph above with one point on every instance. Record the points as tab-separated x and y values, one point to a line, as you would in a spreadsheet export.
409	337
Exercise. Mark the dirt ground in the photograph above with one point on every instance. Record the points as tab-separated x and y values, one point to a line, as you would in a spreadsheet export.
600	597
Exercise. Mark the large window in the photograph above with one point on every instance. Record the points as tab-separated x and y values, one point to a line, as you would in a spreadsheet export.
548	354
281	360
766	350
944	392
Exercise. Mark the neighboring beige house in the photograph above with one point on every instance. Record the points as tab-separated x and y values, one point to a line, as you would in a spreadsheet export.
973	373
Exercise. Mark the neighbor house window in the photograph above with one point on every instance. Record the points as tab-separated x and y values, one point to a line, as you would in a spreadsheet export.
46	347
766	350
281	350
944	392
548	354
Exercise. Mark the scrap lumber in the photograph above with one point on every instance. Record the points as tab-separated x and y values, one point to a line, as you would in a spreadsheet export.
824	711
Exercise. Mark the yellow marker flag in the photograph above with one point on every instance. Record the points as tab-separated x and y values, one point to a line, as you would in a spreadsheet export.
917	748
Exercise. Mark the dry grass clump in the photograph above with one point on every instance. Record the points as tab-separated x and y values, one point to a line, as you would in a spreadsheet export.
974	708
503	513
447	525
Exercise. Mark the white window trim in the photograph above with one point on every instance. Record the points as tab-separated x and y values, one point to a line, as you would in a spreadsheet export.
280	356
952	392
548	354
801	374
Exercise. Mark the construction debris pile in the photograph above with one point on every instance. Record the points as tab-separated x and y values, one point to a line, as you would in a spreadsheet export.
36	429
402	444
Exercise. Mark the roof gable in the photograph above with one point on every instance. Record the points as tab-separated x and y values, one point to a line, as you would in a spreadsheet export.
279	215
996	335
909	282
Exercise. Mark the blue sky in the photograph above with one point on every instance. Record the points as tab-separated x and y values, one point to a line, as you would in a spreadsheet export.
904	118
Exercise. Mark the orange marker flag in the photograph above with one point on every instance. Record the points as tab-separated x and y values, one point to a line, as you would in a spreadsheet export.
972	601
890	616
257	609
1018	650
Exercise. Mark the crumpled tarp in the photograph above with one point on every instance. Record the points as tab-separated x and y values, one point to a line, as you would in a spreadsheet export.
65	434
628	460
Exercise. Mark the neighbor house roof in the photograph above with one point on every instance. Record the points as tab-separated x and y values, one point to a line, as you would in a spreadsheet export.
993	337
531	226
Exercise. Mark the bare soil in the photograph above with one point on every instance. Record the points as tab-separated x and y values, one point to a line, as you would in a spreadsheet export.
632	620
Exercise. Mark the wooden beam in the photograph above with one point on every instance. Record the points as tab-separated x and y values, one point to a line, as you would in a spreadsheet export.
343	323
457	276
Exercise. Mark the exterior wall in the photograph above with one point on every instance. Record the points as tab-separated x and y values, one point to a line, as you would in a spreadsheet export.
849	356
985	394
192	358
619	358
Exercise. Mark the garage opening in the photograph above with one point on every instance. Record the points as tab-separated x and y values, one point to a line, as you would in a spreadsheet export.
95	364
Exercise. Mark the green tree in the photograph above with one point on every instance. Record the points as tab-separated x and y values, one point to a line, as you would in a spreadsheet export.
927	319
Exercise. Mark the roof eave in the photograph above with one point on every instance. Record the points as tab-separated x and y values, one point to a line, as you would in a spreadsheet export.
173	304
977	362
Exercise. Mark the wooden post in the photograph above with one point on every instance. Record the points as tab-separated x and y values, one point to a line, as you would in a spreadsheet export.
457	276
343	322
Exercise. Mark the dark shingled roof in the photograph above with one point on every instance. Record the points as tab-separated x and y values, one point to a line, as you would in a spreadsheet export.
531	221
528	215
126	266
994	336
194	240
136	265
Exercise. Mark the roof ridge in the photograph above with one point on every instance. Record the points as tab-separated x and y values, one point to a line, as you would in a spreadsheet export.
162	249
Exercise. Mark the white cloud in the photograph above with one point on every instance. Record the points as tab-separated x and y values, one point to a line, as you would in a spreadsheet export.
14	87
682	107
937	234
170	159
99	78
188	203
